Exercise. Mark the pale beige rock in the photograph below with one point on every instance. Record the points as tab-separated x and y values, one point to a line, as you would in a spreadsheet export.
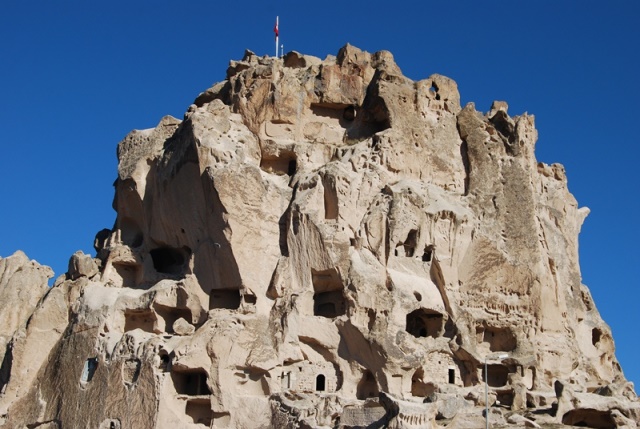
182	327
449	406
22	285
519	420
594	410
468	421
322	243
81	265
31	323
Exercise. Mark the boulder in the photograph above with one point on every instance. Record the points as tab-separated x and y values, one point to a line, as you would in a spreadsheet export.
81	265
182	327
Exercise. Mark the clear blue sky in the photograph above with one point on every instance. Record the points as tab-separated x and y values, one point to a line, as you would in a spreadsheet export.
77	76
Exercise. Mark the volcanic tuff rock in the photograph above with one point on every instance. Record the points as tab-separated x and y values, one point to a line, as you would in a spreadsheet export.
320	243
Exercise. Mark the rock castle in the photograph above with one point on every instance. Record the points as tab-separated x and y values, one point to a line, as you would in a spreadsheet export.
320	244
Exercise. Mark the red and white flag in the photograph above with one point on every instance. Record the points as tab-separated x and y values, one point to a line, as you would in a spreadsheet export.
277	33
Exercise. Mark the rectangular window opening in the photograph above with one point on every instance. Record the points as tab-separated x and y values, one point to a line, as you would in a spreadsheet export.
90	366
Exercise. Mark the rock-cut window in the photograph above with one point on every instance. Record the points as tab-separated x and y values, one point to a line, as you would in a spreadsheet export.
320	383
90	366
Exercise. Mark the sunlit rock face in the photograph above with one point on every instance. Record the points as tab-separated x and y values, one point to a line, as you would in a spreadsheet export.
320	243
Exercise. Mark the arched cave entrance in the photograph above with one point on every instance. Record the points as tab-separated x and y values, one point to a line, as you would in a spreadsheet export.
425	323
168	260
497	376
320	383
328	297
191	382
367	387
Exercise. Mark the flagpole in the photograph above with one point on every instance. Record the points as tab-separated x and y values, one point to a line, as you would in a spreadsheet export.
277	36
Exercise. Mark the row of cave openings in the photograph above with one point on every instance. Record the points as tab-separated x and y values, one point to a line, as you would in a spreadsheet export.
329	298
130	370
329	301
190	384
160	318
193	382
149	319
368	387
320	382
173	263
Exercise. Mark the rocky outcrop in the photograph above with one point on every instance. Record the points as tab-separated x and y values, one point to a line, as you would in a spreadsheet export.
22	284
32	319
327	243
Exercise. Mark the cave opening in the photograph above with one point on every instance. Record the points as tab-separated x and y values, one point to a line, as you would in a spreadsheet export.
497	376
200	412
283	163
292	167
408	247
90	367
169	315
328	299
497	338
367	386
331	203
591	418
139	319
5	368
191	382
320	383
168	260
596	336
229	299
425	323
427	255
329	304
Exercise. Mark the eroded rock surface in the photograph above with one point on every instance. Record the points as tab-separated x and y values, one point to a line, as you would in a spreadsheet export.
324	243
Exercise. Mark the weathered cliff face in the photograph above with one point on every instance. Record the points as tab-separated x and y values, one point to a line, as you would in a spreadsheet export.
322	243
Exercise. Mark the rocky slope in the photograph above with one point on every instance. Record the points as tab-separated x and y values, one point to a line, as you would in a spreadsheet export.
320	243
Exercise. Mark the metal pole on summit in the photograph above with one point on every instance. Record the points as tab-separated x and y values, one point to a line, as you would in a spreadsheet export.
275	30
